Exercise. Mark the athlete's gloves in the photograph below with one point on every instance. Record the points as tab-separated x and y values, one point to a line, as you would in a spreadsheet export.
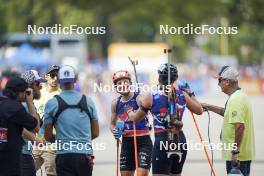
115	133
184	86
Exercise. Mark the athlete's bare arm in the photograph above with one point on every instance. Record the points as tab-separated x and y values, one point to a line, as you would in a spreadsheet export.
144	102
113	115
193	104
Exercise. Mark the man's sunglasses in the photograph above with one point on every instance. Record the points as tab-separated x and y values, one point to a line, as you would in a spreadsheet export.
53	75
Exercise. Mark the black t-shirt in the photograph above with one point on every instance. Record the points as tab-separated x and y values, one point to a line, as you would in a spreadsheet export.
14	118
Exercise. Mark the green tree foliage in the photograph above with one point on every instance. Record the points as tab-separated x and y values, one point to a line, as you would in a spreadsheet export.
139	21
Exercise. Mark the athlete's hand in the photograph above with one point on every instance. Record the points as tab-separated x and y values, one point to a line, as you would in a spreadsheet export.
184	86
115	133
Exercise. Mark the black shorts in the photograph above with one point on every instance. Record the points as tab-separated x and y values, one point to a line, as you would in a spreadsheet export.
127	155
166	160
74	164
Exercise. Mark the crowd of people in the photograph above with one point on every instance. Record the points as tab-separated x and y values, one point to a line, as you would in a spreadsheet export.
30	115
36	111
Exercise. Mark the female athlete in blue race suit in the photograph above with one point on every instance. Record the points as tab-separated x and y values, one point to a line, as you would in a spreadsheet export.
129	101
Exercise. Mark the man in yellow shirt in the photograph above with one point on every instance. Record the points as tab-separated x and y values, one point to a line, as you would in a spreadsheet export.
238	129
47	157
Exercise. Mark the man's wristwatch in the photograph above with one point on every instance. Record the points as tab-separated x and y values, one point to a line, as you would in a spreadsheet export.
235	152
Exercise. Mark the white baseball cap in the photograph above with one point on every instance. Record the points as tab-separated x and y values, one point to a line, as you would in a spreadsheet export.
229	73
67	75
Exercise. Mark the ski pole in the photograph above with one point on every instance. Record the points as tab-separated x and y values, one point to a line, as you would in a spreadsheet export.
134	124
205	150
117	157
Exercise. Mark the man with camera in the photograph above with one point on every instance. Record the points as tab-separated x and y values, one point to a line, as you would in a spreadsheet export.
27	162
13	118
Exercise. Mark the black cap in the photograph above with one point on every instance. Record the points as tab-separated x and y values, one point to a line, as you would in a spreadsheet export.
53	68
16	84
